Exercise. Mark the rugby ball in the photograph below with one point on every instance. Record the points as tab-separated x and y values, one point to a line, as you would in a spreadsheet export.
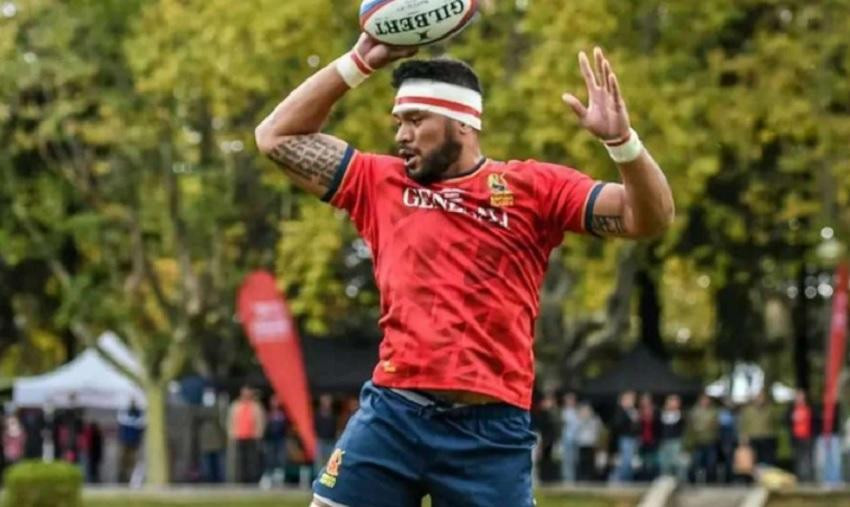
415	22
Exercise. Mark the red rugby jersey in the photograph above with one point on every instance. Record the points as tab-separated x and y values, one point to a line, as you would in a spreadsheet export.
459	265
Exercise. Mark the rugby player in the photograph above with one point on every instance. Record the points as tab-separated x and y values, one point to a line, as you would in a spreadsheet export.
460	244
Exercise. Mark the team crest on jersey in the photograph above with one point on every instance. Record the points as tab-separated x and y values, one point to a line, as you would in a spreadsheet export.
388	367
500	195
332	468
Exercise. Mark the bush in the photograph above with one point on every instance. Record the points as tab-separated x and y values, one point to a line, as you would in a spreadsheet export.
39	484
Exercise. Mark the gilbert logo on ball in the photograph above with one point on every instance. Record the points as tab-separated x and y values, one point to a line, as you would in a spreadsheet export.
415	22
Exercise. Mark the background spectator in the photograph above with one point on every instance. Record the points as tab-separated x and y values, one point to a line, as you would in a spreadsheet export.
569	444
829	451
672	428
14	440
548	423
626	428
649	430
131	427
758	425
702	433
801	421
325	429
245	426
92	451
211	442
67	431
34	425
727	436
274	444
588	431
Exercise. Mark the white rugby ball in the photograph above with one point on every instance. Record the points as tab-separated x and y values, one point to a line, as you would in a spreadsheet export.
415	22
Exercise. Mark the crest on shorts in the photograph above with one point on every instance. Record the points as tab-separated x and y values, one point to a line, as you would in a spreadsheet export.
332	468
334	462
500	194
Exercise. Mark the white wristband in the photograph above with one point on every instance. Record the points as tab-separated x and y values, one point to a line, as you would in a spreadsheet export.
626	152
353	69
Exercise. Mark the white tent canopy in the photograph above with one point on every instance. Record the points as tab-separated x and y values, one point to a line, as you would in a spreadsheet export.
744	383
89	378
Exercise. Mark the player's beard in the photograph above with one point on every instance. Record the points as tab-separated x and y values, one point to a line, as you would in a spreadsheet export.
439	160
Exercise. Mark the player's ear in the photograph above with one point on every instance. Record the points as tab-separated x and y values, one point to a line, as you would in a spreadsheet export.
463	128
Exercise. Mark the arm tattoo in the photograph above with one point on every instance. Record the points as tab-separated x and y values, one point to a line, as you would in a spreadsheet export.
309	158
608	224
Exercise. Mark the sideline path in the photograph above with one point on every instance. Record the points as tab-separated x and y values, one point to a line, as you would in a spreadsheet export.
667	492
712	497
623	494
682	496
193	491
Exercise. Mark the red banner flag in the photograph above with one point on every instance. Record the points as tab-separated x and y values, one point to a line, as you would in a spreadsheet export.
837	347
271	331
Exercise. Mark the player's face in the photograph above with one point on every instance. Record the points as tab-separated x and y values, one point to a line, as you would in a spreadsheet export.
428	144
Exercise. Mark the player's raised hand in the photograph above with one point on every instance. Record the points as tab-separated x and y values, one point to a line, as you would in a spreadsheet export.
377	54
605	115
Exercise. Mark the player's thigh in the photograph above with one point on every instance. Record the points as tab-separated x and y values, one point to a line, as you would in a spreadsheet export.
497	471
320	502
374	464
487	487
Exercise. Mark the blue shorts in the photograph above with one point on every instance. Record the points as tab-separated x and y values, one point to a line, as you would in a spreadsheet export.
395	450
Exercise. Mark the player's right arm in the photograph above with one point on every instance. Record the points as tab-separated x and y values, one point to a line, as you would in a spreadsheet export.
290	136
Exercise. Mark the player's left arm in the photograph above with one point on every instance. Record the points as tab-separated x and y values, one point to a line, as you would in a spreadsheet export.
642	205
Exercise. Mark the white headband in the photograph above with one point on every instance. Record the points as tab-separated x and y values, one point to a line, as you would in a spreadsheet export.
456	102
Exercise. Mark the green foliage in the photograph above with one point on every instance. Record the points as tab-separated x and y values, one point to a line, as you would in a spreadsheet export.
39	484
678	78
744	104
544	499
129	174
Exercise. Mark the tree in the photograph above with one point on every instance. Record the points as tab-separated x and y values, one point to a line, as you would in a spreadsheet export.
128	199
743	101
130	178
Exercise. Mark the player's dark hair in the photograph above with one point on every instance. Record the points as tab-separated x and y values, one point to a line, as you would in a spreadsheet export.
445	70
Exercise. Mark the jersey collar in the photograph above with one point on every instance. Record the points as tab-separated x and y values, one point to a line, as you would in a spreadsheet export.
466	174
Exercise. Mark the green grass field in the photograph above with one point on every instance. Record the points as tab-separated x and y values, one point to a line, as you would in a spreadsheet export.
812	499
289	501
226	502
602	499
279	503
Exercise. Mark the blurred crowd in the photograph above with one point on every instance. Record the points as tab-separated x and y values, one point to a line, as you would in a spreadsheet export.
710	441
63	434
248	440
263	448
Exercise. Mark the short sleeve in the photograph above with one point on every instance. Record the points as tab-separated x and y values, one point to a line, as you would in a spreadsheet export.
354	189
566	199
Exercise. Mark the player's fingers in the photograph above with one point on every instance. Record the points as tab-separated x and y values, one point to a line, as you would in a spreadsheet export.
404	52
606	75
599	53
377	56
615	91
395	52
575	104
365	43
587	72
599	60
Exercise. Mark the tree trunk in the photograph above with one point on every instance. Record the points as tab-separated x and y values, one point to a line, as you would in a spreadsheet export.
614	324
156	446
801	333
649	310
